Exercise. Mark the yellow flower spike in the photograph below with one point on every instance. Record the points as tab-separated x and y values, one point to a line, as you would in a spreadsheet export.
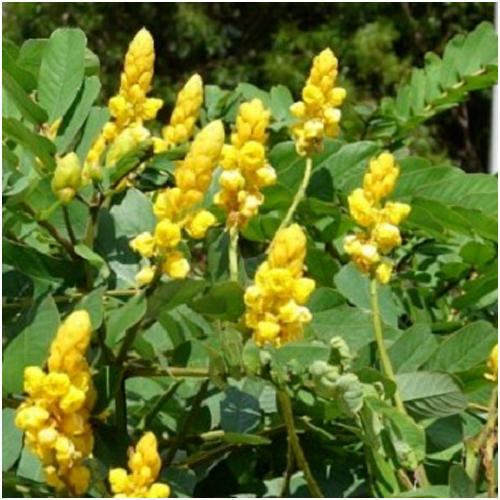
246	169
317	113
379	220
492	365
177	208
144	465
67	177
186	112
130	107
275	308
55	415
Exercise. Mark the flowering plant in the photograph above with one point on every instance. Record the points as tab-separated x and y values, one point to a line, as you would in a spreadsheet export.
231	299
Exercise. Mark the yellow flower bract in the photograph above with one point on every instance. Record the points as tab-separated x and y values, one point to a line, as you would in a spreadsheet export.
317	113
380	222
246	170
275	303
177	208
55	415
144	464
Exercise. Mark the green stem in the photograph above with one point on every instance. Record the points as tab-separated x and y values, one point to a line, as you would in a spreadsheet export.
298	195
484	445
287	413
182	430
121	408
171	371
233	252
385	361
387	369
69	227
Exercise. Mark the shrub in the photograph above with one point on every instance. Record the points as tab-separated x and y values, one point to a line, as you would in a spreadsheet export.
254	303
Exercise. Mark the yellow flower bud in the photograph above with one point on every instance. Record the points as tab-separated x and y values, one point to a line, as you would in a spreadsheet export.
145	275
118	480
126	142
79	478
176	266
144	244
384	272
298	109
197	227
167	234
56	384
67	177
302	289
266	332
386	236
232	180
159	490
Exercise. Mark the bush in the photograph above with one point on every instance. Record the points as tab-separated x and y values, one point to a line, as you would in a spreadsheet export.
254	300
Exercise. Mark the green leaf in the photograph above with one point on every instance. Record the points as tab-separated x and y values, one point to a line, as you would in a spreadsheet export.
30	55
431	394
133	214
79	112
173	293
239	411
61	71
12	439
37	265
93	258
9	66
28	108
461	485
30	466
31	346
464	349
123	318
412	348
93	126
38	145
92	303
355	287
469	63
223	301
433	491
354	325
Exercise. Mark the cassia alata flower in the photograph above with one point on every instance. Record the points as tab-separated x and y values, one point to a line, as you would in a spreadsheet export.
379	220
55	414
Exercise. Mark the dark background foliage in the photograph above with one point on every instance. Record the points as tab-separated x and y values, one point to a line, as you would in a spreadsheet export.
271	43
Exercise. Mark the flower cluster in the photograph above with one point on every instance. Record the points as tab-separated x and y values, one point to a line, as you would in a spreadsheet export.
55	415
176	208
130	106
67	178
246	170
184	116
275	303
492	365
318	112
381	234
144	464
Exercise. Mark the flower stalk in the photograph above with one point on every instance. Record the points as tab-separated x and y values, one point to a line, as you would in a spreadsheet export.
299	195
